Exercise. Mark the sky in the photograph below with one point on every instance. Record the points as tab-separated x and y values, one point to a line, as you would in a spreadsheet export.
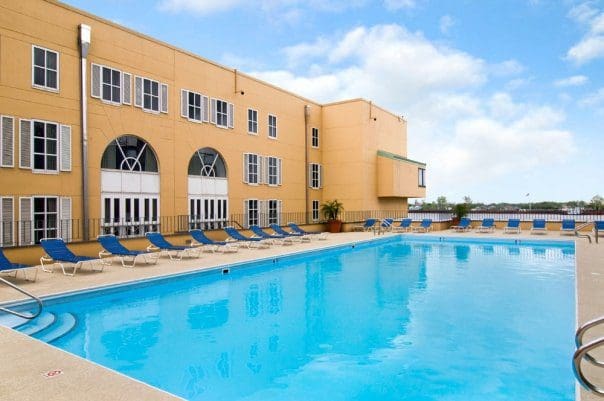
504	98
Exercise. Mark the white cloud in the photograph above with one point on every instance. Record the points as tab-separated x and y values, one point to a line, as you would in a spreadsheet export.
594	99
399	4
506	68
591	46
201	7
446	23
575	80
455	126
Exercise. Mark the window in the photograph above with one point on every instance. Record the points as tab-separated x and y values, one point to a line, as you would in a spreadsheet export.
314	175
129	153
45	66
45	149
421	177
315	138
274	211
194	106
251	173
222	113
315	210
111	90
251	211
150	95
252	121
272	126
130	215
274	170
45	218
207	162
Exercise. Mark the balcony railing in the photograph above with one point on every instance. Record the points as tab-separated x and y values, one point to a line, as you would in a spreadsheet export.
21	233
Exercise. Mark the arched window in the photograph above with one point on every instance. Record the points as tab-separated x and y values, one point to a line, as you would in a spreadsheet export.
207	162
208	190
131	154
129	187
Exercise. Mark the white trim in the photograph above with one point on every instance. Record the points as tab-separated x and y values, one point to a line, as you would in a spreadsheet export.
43	87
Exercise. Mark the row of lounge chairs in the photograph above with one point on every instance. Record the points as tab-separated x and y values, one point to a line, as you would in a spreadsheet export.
57	252
538	226
404	225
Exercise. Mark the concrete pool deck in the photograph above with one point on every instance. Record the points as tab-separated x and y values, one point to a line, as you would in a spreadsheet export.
25	360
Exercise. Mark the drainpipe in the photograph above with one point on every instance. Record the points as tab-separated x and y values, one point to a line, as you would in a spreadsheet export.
84	46
306	190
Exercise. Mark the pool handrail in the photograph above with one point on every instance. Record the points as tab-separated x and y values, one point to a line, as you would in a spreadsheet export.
22	291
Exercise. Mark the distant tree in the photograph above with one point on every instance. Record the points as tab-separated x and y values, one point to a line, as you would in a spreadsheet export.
597	202
467	200
441	202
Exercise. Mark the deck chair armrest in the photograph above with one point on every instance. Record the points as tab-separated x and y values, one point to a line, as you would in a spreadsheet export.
153	248
46	259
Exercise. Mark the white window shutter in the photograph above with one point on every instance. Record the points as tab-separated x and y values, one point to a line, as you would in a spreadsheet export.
231	115
246	213
320	173
65	150
279	207
261	169
126	88
262	213
279	164
184	103
6	221
310	175
65	223
7	140
246	168
138	91
95	81
26	217
163	98
213	111
25	144
205	112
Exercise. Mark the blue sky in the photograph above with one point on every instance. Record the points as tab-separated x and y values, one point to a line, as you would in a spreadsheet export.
502	98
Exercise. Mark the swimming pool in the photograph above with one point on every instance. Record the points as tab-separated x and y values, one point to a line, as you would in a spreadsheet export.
394	319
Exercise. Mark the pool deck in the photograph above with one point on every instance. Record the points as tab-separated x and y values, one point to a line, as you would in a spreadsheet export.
25	360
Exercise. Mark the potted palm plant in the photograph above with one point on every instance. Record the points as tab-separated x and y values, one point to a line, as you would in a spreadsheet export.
459	211
331	211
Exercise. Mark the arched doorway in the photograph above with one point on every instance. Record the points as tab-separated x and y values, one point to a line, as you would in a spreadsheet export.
208	190
129	187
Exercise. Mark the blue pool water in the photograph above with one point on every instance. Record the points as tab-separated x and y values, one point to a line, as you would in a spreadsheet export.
398	319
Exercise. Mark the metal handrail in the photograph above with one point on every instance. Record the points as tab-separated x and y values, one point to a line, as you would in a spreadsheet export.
579	355
22	291
578	228
579	338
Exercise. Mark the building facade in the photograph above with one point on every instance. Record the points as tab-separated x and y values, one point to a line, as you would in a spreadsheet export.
105	130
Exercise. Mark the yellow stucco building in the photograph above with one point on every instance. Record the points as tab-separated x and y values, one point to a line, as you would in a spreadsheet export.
104	129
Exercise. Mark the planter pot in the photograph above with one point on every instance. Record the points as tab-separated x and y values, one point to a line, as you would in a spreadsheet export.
334	226
455	221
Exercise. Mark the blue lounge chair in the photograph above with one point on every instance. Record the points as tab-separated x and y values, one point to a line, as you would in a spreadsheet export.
58	253
465	224
274	238
513	226
313	234
114	248
424	226
386	224
369	223
568	227
175	252
599	228
6	266
487	226
538	227
249	242
199	237
295	236
403	226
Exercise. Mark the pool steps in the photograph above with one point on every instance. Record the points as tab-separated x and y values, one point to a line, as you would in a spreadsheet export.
48	327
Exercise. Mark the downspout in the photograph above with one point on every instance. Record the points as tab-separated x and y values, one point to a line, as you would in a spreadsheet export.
306	189
84	46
